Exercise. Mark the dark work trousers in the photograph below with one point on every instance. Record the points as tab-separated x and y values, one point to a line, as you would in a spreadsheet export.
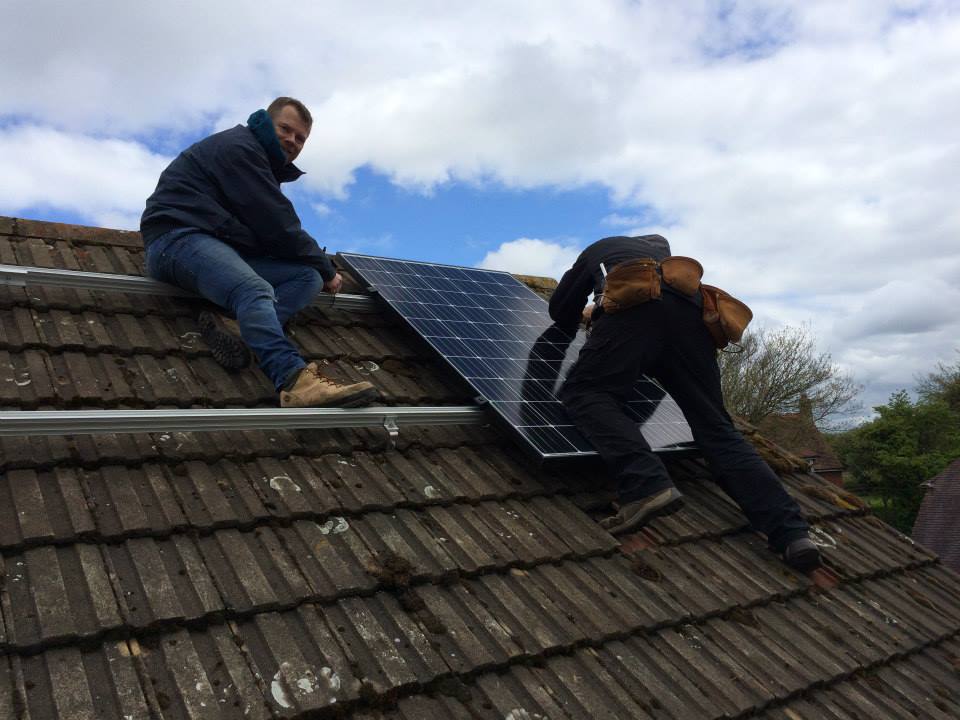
667	340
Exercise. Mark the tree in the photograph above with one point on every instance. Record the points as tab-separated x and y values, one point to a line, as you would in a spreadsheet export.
943	385
776	369
890	457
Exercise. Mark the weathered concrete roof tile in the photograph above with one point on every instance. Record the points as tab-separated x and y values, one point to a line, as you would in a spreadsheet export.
162	582
73	683
200	674
57	595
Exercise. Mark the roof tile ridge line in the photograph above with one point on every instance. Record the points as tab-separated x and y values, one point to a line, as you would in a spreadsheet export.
96	536
163	311
742	528
826	685
31	304
21	234
166	461
125	631
188	354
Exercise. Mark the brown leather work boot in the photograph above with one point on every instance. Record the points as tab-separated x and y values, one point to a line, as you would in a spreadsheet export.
314	389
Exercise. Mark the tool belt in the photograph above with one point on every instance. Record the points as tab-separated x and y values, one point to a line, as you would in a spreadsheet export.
638	281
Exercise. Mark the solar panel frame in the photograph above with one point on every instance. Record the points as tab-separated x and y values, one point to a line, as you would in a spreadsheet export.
496	333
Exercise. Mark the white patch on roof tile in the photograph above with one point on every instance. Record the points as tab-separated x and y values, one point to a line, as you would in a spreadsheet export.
284	482
306	684
431	492
822	538
278	690
367	366
522	714
333	680
335	525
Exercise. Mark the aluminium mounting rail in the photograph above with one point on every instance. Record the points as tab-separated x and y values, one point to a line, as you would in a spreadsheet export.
24	276
92	422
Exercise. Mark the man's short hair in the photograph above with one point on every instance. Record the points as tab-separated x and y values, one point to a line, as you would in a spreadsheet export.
274	108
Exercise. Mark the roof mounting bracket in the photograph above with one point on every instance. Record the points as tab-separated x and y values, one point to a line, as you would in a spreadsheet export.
393	430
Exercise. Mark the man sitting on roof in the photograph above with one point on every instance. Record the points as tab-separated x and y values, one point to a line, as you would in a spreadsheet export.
666	339
219	225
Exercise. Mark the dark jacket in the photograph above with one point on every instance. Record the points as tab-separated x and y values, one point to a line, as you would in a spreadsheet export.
585	277
228	186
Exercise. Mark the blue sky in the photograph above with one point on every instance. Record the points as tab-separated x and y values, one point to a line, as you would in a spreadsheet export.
804	151
455	223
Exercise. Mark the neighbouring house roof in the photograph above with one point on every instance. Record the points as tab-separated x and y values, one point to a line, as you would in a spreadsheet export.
259	574
797	433
938	523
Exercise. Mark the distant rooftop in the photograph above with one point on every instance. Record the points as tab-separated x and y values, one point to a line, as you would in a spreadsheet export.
938	522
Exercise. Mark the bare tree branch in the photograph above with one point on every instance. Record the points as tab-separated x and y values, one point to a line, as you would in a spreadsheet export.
776	369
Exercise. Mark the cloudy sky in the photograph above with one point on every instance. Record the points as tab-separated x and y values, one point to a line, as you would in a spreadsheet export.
806	152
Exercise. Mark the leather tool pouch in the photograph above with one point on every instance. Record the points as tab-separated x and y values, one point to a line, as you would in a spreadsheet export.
725	317
630	283
682	273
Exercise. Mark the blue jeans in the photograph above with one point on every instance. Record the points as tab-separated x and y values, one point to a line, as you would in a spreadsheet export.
261	293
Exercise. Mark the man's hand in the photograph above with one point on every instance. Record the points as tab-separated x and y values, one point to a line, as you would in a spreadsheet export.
333	285
587	312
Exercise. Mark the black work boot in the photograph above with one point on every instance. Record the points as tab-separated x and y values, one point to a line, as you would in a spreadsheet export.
225	346
802	554
636	514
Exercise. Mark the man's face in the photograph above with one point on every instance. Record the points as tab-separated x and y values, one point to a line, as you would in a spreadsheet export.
292	131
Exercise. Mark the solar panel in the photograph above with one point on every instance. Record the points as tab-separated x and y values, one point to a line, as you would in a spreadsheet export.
497	333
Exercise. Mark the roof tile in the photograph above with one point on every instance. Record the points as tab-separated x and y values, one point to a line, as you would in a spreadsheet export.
57	595
299	660
334	561
162	582
133	501
76	684
200	676
42	507
253	571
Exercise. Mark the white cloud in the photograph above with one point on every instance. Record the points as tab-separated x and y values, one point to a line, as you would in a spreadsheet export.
104	180
803	149
531	256
623	221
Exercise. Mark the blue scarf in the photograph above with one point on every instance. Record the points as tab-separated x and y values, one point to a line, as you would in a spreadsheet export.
261	125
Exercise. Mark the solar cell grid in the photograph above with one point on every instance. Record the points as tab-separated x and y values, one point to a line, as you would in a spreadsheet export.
496	333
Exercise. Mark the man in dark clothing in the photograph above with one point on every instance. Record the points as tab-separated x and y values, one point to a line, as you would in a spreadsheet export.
219	225
667	340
